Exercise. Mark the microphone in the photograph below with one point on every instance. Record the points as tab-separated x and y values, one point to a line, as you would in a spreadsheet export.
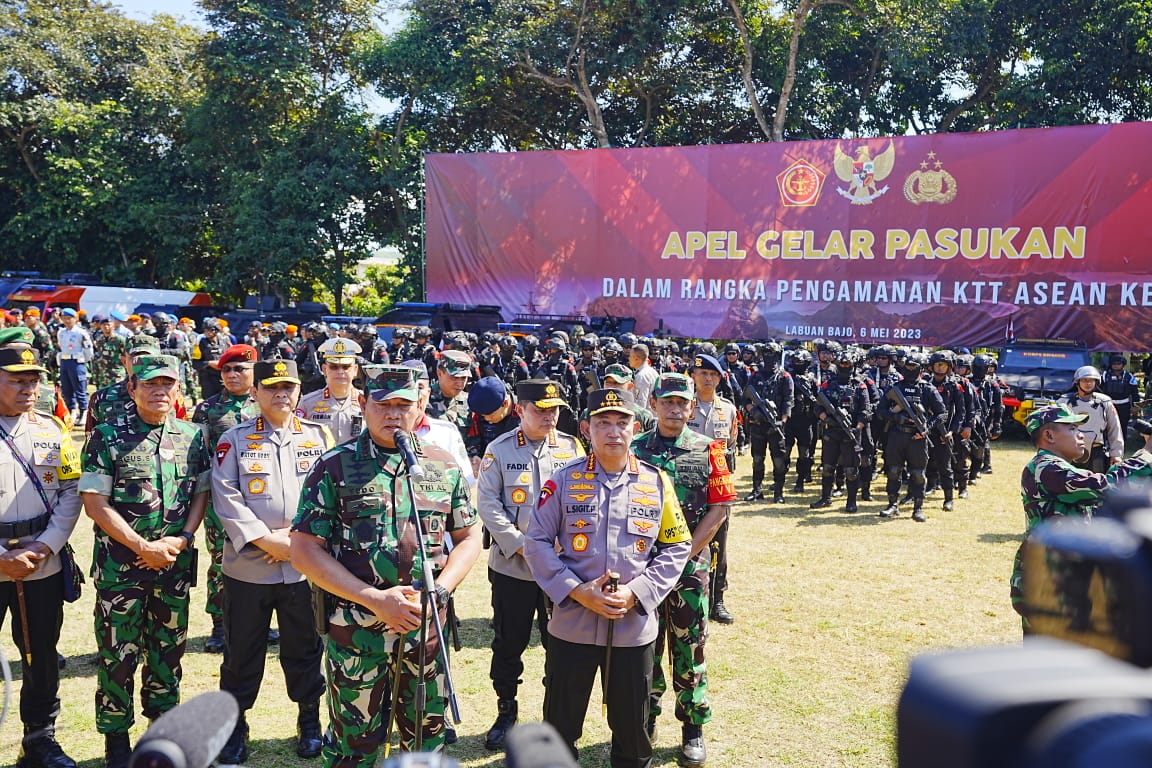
404	445
189	736
537	745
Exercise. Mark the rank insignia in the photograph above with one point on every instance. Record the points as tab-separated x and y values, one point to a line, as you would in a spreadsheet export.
580	496
589	475
255	446
256	467
576	475
642	545
309	444
256	436
581	487
49	477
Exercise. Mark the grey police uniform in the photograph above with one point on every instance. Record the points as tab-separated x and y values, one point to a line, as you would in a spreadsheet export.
342	417
257	476
512	472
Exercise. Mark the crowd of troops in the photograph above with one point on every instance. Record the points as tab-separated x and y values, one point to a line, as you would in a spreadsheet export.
598	470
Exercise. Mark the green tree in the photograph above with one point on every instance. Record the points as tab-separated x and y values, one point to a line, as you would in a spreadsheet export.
281	138
92	173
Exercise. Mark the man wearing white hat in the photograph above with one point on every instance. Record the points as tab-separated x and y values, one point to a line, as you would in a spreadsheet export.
337	405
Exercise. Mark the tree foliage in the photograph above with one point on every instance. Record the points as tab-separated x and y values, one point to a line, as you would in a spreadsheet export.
246	155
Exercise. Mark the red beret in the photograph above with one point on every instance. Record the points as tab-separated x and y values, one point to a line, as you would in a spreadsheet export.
237	353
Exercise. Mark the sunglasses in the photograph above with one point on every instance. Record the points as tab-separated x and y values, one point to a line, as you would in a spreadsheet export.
235	368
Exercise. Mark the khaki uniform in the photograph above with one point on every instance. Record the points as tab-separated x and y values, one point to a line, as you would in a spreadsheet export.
342	417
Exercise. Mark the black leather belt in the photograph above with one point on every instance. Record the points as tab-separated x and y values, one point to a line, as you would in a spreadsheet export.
24	527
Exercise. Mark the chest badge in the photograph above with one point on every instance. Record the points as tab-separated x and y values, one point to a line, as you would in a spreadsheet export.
580	542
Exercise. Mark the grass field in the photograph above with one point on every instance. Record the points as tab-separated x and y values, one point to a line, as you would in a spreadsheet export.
829	609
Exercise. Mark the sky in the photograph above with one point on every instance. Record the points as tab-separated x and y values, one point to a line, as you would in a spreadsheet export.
187	10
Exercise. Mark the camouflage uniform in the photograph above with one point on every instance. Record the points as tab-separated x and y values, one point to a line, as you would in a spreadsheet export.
699	471
348	501
454	410
220	413
113	404
109	364
150	474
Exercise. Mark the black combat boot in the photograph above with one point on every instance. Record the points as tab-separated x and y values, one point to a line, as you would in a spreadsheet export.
235	750
918	511
117	750
825	499
507	711
949	505
215	641
755	494
308	738
892	510
853	490
799	486
39	749
720	612
778	493
692	751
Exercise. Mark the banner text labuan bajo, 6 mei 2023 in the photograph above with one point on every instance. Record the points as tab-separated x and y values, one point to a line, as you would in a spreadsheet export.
933	239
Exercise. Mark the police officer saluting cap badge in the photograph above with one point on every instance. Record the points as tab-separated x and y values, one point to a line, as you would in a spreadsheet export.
337	405
40	510
512	471
606	543
257	476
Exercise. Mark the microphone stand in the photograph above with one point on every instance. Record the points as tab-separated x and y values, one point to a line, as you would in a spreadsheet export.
428	599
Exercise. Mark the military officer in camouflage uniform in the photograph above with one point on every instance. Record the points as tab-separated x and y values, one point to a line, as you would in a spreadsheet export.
114	402
220	413
607	515
108	367
448	400
39	511
337	405
145	485
699	471
514	467
1051	485
353	538
257	478
715	417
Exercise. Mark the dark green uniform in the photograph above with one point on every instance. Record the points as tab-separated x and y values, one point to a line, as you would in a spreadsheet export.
220	413
150	474
356	498
699	472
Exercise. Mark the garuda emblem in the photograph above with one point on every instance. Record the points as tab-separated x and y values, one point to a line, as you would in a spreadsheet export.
863	173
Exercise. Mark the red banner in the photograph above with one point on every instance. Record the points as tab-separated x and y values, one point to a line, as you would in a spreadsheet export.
924	240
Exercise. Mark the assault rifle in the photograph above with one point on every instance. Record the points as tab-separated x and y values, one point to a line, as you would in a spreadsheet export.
767	408
839	419
917	414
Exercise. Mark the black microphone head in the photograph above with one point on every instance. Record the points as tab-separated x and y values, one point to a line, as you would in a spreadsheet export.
403	440
189	736
537	745
406	447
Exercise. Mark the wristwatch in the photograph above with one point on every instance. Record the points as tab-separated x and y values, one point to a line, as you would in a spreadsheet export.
189	539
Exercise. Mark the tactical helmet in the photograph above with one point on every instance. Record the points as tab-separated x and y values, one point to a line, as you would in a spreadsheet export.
772	349
1086	372
508	342
886	350
612	347
964	361
488	337
554	344
833	347
801	358
531	341
942	356
161	318
423	332
628	339
401	333
1116	357
846	357
980	364
730	347
915	360
673	348
562	335
589	341
211	323
706	348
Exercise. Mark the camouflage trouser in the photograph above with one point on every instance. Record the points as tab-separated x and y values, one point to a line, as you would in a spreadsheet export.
683	618
214	542
359	666
139	621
